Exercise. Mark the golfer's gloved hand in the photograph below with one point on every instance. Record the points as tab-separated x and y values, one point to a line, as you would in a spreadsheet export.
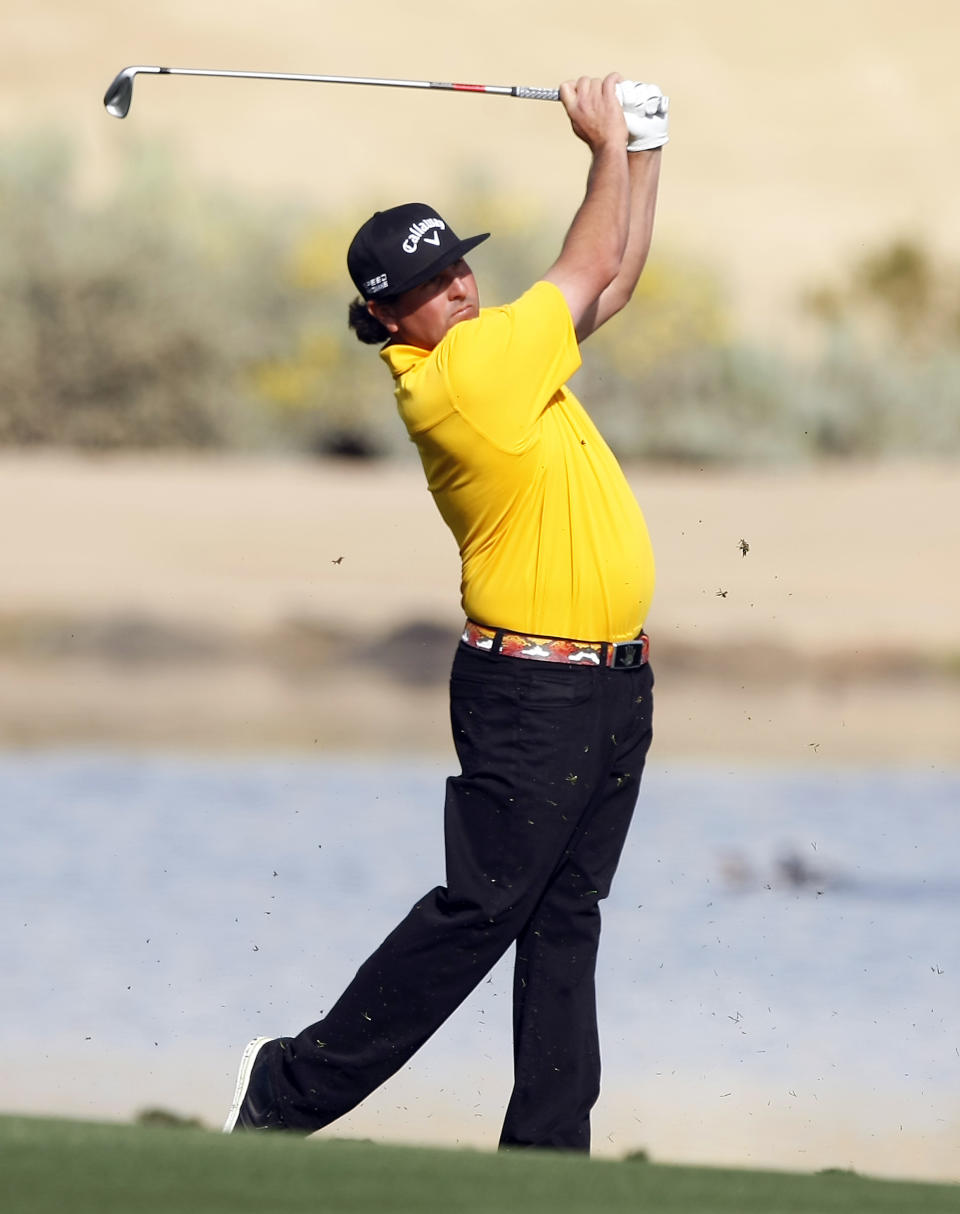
645	110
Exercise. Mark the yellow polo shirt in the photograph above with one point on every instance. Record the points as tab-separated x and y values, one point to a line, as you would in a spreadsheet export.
552	540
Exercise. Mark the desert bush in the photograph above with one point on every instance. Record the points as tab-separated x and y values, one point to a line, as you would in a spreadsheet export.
888	371
897	299
154	318
119	322
883	380
170	315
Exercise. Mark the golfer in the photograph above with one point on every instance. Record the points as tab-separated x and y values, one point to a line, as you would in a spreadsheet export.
551	690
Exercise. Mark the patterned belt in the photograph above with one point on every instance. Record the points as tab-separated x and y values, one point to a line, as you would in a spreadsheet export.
618	655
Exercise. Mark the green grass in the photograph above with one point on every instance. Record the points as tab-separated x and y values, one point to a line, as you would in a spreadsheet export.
88	1168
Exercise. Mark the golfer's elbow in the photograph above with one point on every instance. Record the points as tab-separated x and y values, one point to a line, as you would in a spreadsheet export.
616	297
598	269
609	270
623	285
583	280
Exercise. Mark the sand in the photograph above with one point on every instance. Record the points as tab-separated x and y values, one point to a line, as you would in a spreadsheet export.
242	603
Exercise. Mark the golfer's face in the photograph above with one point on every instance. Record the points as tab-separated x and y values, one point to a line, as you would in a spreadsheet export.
426	313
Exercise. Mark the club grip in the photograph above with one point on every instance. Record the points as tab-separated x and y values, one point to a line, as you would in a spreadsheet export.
537	94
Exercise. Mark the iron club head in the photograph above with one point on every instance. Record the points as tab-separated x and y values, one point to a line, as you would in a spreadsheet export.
119	95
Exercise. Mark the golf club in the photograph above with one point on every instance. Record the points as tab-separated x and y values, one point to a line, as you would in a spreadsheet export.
119	95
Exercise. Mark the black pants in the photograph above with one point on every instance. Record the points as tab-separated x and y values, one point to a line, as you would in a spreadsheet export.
551	759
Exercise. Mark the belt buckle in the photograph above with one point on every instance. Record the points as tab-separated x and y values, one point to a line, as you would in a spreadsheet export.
629	653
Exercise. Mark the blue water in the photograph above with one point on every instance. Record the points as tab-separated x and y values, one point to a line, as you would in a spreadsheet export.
165	903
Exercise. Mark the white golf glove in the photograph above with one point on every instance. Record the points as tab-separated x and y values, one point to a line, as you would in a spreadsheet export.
645	110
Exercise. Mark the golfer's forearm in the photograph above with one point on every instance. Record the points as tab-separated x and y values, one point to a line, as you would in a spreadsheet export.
644	169
644	174
598	234
594	246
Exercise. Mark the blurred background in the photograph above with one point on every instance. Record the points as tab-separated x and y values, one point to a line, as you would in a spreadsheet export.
227	606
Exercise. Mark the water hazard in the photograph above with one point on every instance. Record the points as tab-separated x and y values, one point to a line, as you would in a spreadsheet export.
775	941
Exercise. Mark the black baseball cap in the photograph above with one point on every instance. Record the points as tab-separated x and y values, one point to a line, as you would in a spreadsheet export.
398	249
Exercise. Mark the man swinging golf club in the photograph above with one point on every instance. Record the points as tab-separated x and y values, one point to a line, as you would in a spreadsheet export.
551	690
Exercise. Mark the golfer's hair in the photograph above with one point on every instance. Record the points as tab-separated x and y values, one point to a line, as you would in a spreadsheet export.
368	329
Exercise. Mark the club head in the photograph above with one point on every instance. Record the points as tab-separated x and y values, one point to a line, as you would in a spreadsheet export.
119	95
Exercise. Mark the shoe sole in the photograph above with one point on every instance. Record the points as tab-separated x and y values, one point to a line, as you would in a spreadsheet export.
250	1053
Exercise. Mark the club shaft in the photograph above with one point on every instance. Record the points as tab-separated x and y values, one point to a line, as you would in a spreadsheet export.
117	98
505	90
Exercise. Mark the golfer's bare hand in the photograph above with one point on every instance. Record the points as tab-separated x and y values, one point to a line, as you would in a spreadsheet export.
594	110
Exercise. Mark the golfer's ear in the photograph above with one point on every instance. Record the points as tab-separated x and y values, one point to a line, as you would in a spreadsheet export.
384	313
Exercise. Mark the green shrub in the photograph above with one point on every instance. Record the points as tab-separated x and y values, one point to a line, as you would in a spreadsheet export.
119	328
170	315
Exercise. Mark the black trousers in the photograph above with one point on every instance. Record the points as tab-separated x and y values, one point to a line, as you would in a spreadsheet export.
551	759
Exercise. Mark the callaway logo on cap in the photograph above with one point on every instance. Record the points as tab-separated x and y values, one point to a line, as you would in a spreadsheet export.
399	249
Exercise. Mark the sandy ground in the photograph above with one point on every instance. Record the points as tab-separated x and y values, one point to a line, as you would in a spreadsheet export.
235	603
